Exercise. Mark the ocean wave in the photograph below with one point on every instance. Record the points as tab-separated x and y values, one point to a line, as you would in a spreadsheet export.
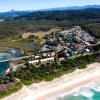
87	93
97	88
76	94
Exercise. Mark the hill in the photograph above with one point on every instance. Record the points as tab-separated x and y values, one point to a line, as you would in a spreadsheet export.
73	8
69	15
12	13
45	20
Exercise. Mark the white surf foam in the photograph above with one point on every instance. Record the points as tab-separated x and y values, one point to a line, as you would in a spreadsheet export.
87	93
76	94
97	88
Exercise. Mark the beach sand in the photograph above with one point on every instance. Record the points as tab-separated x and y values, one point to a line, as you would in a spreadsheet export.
64	84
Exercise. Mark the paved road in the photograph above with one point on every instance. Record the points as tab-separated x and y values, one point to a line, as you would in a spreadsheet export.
18	58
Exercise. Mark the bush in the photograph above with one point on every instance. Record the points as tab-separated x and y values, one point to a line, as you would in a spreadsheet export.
49	71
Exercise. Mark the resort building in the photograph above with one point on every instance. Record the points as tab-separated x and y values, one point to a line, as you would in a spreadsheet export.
42	60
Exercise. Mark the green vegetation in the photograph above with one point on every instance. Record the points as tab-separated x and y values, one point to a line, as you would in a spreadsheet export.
95	48
7	78
40	23
8	85
13	30
62	15
47	72
10	91
22	45
93	29
16	44
88	18
43	21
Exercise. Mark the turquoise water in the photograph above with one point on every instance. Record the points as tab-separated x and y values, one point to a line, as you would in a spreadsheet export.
87	93
12	53
3	67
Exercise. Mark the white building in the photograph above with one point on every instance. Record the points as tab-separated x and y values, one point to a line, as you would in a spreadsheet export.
42	60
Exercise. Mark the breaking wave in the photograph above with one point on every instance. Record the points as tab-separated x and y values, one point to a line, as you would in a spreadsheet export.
87	93
96	89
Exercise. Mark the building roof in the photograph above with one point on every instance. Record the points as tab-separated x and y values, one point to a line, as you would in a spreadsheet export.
47	48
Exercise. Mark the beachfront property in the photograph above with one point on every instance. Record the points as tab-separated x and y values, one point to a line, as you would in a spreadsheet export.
42	60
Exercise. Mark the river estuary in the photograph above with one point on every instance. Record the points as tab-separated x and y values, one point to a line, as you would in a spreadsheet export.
8	53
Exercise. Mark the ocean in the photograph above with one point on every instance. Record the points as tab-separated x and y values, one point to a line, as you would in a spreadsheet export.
90	91
86	94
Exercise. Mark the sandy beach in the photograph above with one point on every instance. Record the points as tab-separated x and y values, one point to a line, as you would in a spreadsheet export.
64	84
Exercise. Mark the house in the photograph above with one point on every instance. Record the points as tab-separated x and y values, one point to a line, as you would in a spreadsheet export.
47	48
49	51
62	59
48	54
80	47
69	52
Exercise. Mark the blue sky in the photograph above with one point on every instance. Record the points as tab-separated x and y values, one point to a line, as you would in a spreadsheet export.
6	5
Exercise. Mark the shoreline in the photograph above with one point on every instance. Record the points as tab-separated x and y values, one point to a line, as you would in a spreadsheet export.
64	84
66	89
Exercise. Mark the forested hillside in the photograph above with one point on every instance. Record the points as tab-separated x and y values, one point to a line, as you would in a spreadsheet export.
62	15
89	19
94	29
12	13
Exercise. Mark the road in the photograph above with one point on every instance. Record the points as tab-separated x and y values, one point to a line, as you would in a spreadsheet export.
18	58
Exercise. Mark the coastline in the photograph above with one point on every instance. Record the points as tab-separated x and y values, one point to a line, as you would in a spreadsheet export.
62	85
66	89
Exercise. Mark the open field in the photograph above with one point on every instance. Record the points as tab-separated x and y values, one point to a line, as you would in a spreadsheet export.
16	43
40	34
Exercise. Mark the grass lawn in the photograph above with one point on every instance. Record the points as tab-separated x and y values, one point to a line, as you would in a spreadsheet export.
17	44
21	44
